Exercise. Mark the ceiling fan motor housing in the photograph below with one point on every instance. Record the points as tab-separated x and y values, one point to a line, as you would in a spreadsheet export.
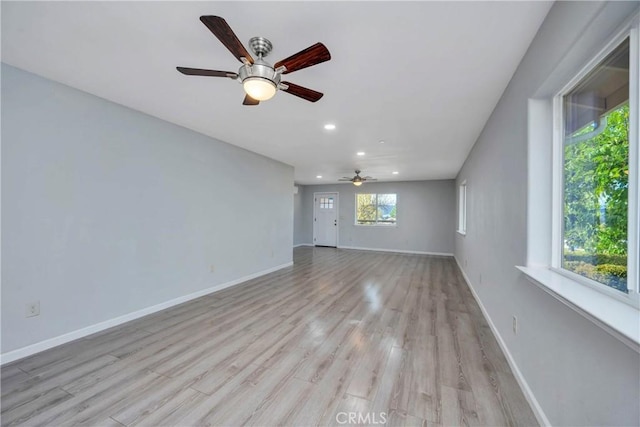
259	69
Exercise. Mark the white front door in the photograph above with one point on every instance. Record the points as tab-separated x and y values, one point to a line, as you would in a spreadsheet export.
325	219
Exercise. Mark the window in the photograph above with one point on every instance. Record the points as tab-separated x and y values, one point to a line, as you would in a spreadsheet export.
462	208
577	234
375	209
597	176
326	202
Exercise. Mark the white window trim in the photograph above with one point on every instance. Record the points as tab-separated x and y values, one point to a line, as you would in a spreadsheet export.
633	230
614	311
355	213
462	208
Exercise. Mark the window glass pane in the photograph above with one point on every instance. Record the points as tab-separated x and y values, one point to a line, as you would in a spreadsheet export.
386	209
596	171
366	208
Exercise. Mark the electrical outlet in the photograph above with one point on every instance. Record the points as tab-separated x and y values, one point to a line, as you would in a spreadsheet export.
465	262
212	268
515	325
480	280
32	309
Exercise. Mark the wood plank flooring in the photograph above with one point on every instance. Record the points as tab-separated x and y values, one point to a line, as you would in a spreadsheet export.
395	339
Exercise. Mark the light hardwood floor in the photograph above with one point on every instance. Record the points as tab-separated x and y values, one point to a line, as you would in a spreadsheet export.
395	337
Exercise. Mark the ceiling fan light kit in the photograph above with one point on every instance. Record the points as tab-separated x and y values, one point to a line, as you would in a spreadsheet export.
258	88
260	80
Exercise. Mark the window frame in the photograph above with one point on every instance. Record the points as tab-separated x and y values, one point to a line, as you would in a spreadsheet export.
462	208
376	224
630	30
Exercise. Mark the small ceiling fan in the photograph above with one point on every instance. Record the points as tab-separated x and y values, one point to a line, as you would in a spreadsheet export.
357	180
260	79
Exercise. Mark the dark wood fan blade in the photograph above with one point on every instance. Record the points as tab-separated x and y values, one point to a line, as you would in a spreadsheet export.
225	34
305	58
250	101
209	73
302	92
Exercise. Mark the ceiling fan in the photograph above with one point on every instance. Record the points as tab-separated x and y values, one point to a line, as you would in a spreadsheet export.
357	180
260	79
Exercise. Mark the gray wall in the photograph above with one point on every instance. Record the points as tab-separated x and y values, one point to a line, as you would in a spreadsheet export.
578	373
106	210
426	221
299	236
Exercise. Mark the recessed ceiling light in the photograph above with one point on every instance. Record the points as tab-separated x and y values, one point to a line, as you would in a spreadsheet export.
318	176
381	142
395	172
329	126
360	153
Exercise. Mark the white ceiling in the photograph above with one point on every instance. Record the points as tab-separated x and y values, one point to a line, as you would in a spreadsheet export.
422	76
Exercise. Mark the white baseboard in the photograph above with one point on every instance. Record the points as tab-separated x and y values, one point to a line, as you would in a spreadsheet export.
81	333
524	386
396	250
302	244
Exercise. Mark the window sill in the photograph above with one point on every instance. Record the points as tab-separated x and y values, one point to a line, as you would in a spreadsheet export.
616	317
462	233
